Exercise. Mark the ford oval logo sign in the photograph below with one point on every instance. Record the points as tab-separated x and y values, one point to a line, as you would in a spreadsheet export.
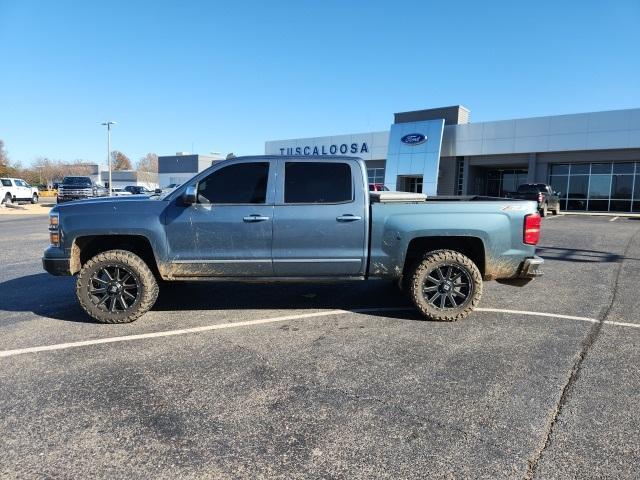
414	139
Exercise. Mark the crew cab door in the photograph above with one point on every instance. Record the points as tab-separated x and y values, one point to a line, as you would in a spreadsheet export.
320	219
229	230
23	192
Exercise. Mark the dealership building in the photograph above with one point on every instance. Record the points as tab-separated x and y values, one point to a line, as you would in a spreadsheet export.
592	159
178	168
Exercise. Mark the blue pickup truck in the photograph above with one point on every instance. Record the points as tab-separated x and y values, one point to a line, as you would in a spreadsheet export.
305	219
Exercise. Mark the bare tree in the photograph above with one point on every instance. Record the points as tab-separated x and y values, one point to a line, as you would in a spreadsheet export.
4	158
148	163
148	169
120	161
6	169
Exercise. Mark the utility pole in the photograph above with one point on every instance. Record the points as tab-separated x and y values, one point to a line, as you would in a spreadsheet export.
108	124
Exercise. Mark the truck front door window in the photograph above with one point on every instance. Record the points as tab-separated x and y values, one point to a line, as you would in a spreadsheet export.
242	183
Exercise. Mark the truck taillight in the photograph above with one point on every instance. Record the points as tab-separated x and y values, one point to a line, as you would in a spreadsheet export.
540	198
531	234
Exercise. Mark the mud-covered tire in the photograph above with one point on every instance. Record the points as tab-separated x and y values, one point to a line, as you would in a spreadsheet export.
116	263
544	211
421	286
34	198
7	200
557	210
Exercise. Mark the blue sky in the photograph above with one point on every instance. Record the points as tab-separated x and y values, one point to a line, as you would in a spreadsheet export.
227	76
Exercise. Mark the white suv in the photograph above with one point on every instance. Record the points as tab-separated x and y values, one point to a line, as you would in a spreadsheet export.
17	190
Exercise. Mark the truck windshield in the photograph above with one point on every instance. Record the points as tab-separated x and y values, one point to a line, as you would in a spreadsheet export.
529	189
76	181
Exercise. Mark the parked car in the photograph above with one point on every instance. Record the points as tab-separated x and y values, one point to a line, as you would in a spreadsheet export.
271	218
77	188
17	190
377	187
541	193
168	188
138	190
120	192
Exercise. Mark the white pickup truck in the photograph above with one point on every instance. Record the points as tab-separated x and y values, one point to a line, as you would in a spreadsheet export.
17	190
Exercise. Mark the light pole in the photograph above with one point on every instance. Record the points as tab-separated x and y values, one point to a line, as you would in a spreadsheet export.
108	124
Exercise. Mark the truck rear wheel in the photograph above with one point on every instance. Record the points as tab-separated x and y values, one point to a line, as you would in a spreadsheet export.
445	285
116	286
34	198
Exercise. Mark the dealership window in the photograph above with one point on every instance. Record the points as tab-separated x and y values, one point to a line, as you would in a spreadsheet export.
236	184
317	182
597	187
501	183
459	175
409	184
375	175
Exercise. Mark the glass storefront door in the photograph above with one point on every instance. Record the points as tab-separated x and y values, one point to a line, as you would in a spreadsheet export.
502	182
409	184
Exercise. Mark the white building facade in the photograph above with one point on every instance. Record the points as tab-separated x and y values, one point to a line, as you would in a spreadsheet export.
591	159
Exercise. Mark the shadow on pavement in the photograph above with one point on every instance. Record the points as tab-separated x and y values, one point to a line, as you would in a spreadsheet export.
54	297
583	256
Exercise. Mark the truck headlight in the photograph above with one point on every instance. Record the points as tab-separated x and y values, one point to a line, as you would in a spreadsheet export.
54	229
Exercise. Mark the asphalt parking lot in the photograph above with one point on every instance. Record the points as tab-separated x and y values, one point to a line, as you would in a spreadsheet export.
331	381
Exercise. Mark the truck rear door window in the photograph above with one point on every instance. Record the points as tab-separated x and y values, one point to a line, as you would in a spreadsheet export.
317	182
239	183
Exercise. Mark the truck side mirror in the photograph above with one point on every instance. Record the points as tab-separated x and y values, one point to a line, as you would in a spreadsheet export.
189	195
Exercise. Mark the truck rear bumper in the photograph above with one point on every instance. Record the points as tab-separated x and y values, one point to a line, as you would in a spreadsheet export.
56	266
527	271
531	267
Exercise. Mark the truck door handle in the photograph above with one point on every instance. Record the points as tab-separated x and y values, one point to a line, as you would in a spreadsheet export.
348	218
255	218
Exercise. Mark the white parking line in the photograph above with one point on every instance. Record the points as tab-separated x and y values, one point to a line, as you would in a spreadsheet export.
614	219
221	326
557	315
183	331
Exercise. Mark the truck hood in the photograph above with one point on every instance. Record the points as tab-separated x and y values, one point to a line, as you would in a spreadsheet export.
104	204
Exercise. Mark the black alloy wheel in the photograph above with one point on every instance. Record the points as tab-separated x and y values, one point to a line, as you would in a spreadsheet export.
114	288
447	287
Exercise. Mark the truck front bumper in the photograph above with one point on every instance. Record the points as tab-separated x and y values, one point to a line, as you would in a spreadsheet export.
56	266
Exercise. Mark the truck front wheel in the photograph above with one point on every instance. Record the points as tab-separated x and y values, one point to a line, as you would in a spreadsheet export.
445	285
116	286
